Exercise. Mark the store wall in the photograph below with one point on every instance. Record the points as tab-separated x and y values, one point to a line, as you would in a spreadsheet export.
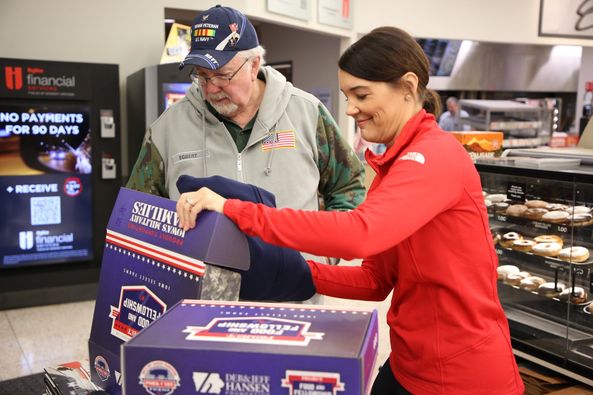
314	58
131	34
585	75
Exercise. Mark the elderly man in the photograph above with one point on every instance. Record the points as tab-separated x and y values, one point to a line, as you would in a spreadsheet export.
450	120
244	121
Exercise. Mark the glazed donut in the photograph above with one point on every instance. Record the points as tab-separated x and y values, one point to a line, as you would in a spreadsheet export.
531	283
576	295
523	245
535	213
574	254
579	219
551	289
507	239
579	210
536	204
549	239
516	210
547	249
555	216
496	197
505	270
556	206
516	278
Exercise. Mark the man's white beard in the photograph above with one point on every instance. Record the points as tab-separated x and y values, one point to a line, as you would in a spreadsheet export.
228	109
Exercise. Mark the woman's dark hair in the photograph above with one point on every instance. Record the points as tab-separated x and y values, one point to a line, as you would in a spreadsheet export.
386	54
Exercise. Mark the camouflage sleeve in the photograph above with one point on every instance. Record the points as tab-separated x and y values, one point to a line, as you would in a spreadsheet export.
148	174
341	183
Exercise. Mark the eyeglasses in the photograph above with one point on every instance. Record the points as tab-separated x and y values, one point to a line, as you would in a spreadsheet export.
219	81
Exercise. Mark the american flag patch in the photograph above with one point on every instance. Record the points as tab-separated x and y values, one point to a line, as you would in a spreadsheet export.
284	139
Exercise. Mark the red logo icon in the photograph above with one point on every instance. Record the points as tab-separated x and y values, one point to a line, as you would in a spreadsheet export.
13	77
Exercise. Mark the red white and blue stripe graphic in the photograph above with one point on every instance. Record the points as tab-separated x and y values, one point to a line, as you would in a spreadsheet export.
183	262
283	139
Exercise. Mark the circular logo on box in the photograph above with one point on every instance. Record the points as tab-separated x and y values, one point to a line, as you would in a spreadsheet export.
102	368
72	186
159	378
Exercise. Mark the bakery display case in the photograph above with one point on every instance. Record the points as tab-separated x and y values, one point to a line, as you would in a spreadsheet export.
522	124
542	227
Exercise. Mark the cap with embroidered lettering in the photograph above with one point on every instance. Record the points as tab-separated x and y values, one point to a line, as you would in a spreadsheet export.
217	35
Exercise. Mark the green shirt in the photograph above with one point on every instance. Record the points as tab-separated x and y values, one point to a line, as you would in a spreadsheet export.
240	135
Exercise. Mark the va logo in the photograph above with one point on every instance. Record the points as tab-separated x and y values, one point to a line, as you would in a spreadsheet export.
13	78
26	240
208	383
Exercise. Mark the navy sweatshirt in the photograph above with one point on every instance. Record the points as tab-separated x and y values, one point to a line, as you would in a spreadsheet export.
276	273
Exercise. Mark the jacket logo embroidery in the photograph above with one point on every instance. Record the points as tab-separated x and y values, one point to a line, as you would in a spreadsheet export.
415	156
282	139
189	155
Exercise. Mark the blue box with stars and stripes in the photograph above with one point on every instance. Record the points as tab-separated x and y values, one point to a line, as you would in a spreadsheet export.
149	264
253	348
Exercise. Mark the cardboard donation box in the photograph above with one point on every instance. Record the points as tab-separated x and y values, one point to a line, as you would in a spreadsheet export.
150	264
481	144
209	347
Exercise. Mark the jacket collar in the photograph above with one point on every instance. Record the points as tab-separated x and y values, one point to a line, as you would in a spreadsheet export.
415	126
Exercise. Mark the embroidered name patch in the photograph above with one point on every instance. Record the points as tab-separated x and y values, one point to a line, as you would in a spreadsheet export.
415	156
190	155
283	139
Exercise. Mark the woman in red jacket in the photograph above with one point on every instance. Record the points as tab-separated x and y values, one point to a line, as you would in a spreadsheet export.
422	231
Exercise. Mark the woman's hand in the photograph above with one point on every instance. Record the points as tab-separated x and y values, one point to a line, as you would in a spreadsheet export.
190	204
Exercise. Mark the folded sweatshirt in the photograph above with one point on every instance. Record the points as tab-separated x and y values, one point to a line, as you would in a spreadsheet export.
276	273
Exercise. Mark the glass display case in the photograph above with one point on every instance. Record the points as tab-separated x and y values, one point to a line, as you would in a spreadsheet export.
542	226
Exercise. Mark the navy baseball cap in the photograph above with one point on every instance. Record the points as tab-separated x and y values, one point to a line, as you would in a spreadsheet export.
217	35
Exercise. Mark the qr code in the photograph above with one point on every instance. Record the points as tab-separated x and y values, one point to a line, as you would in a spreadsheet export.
46	210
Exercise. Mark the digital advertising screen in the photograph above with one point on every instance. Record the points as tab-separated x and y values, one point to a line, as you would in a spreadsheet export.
173	92
45	181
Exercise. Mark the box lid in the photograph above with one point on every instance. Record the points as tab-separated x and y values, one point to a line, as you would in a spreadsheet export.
259	328
139	218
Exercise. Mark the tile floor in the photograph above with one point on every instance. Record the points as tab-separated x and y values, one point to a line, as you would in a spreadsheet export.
35	337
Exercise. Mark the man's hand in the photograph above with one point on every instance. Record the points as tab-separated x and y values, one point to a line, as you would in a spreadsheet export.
190	204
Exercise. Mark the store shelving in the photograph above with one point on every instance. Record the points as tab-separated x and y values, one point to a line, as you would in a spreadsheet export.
521	123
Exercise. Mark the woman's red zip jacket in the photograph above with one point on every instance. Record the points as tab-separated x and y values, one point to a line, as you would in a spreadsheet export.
423	232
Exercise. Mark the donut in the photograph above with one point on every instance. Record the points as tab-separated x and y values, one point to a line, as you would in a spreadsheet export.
523	245
495	236
579	219
536	204
496	197
579	210
507	239
547	249
556	206
501	207
535	213
516	210
574	254
576	295
505	270
555	216
531	283
516	278
551	289
549	239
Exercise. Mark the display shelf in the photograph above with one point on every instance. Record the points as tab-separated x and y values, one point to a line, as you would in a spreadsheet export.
521	123
564	230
